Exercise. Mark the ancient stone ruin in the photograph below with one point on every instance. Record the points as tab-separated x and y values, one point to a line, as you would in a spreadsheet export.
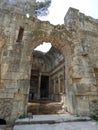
68	73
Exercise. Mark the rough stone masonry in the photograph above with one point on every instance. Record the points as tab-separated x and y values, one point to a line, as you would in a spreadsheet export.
77	40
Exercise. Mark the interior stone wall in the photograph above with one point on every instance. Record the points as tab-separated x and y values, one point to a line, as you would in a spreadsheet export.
40	62
51	64
40	65
57	82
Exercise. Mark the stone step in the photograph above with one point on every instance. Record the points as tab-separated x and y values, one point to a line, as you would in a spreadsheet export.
46	108
51	119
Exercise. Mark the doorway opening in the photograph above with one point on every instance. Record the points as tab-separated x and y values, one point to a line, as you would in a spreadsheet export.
44	88
47	82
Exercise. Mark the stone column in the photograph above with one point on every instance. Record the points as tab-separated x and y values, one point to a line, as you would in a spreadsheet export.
54	87
58	85
63	86
39	83
59	89
50	89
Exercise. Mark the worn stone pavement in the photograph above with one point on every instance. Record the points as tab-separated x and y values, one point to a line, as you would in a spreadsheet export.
88	125
60	122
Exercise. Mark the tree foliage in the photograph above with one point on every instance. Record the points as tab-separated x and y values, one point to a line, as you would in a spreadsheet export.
42	7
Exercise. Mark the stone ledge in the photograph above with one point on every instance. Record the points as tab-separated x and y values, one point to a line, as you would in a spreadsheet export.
51	119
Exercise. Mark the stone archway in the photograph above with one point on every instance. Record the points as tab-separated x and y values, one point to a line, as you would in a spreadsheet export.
17	77
56	35
17	62
74	42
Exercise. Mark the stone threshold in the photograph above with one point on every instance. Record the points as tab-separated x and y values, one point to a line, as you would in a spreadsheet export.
51	119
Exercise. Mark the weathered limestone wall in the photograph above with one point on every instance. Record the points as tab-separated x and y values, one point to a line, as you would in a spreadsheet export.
85	60
19	6
77	41
16	58
55	57
57	83
12	98
40	62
